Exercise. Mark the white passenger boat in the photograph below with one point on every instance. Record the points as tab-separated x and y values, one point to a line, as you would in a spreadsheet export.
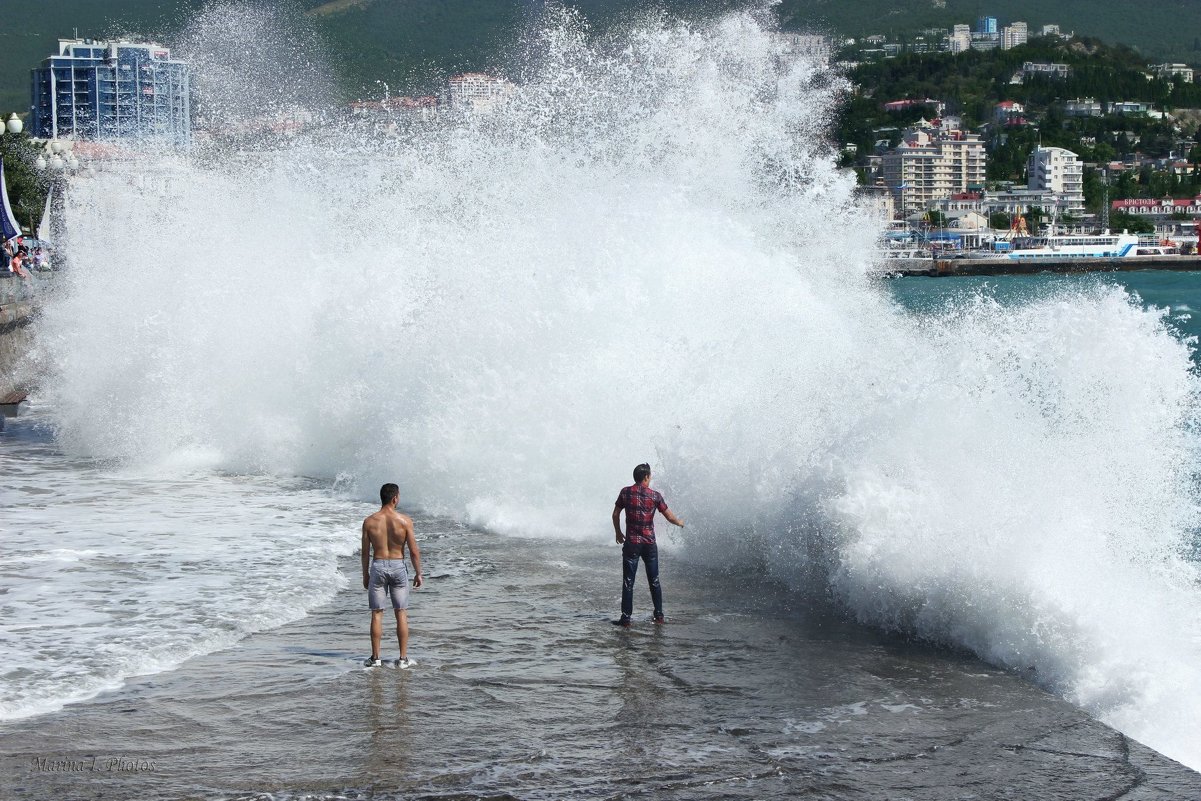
908	253
1073	246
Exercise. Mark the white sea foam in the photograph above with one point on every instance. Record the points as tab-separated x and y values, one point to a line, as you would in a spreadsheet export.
161	567
648	255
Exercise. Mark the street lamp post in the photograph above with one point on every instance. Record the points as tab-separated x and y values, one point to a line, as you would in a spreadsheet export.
1105	200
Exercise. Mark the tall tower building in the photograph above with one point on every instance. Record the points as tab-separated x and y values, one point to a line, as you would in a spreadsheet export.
1013	35
112	91
960	39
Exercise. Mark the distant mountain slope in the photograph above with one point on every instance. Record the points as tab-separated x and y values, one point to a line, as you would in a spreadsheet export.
413	44
1167	29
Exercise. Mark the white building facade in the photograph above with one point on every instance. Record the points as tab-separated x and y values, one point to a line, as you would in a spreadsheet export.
1169	71
931	165
960	40
476	91
1053	169
804	45
1013	35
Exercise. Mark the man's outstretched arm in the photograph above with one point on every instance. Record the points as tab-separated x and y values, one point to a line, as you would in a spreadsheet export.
671	518
617	525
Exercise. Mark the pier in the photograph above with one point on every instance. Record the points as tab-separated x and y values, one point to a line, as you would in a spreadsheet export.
943	268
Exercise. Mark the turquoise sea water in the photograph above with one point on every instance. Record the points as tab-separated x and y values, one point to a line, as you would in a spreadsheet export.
1177	292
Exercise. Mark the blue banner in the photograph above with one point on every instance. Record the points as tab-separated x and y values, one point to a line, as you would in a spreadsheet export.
9	229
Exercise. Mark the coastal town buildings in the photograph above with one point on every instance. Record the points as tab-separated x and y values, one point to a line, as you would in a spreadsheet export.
117	90
961	37
1171	71
1054	30
1013	35
960	40
1158	209
477	91
1041	68
803	45
1128	107
985	41
931	164
1009	112
424	107
1175	220
1083	107
1008	202
878	200
936	107
1058	171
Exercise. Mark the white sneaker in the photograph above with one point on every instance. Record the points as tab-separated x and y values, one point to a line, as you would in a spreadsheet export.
372	661
405	664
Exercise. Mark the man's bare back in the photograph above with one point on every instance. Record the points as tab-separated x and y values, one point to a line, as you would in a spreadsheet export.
387	532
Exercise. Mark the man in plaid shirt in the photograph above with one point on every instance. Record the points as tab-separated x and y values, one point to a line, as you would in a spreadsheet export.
640	503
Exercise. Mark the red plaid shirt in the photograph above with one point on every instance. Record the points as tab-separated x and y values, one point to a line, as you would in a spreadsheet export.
640	504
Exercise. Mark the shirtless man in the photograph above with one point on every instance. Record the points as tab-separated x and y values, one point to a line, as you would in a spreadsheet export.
385	535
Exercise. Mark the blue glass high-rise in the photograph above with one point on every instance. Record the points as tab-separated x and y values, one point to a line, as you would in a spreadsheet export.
112	91
986	25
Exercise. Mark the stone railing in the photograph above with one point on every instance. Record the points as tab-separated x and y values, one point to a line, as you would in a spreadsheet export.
18	291
19	299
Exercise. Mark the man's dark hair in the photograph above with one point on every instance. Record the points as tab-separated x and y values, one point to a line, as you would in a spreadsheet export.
388	493
641	471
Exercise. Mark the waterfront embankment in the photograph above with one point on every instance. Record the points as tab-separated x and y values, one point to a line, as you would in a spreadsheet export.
939	268
18	302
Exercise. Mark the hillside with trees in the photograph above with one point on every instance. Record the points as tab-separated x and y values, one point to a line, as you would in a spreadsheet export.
413	45
1165	30
971	84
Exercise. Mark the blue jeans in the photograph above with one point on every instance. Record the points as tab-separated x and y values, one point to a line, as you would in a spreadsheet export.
630	554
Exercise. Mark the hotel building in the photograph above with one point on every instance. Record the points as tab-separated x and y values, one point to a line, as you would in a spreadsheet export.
930	165
1053	169
112	91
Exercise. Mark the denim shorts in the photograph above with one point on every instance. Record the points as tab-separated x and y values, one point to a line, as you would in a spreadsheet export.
388	577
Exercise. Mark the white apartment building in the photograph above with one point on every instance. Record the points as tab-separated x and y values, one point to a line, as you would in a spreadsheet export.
803	45
1013	35
960	40
1011	203
877	200
476	91
930	165
1170	71
1031	68
1053	169
1083	107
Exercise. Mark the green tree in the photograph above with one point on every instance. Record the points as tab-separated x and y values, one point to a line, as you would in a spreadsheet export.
1000	221
1122	221
27	186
